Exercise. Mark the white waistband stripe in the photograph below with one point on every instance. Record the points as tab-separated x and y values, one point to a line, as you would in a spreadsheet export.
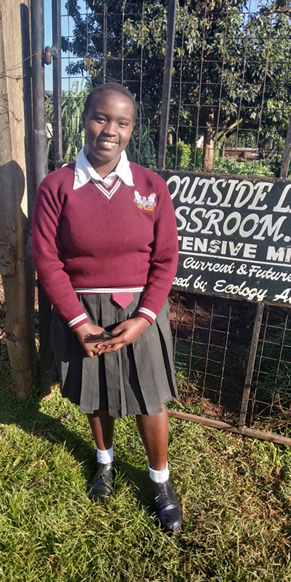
109	290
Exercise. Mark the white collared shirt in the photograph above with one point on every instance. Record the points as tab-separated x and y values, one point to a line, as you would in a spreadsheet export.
84	172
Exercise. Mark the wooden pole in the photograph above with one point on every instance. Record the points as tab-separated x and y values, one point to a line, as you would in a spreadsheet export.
220	425
16	191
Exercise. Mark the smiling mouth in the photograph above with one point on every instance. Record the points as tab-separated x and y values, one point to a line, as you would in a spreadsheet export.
108	143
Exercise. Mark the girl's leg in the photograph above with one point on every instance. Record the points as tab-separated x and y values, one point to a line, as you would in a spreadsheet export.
102	426
154	432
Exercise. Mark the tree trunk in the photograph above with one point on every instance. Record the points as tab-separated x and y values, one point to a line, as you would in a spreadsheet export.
16	191
208	142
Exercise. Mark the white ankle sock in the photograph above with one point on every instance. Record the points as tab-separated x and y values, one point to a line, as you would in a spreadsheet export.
105	457
159	476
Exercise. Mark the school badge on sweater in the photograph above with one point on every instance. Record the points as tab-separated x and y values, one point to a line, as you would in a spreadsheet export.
145	202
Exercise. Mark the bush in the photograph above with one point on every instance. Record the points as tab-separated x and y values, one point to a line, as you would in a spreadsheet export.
179	157
73	132
143	153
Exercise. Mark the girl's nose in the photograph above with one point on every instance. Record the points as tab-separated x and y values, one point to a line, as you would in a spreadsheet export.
110	128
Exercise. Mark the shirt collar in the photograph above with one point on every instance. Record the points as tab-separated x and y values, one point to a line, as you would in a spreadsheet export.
84	171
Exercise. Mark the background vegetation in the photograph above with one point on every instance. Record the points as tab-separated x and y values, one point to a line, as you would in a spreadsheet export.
141	148
231	70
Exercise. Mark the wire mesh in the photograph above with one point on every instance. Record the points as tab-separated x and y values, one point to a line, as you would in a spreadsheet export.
212	340
230	97
270	402
105	51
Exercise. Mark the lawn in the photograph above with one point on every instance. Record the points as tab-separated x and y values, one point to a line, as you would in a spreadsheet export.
235	494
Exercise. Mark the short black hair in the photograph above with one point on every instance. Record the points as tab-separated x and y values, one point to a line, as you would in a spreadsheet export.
105	88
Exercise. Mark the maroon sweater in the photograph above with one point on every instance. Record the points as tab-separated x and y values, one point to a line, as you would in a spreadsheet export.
81	239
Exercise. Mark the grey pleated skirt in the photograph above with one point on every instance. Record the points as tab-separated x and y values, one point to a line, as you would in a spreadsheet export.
137	379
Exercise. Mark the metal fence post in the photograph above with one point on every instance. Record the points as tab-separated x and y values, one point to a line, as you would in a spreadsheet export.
104	41
167	81
250	366
57	82
287	152
40	161
38	96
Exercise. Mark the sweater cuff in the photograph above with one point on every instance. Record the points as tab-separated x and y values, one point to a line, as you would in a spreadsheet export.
146	314
78	321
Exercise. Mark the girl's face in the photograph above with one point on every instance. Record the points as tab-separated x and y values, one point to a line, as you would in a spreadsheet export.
108	124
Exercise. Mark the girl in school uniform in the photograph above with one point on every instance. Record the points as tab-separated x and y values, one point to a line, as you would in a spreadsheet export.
105	250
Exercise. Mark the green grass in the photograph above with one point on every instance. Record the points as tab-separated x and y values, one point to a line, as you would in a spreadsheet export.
235	495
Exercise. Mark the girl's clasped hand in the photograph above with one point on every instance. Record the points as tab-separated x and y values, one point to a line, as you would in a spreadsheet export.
125	333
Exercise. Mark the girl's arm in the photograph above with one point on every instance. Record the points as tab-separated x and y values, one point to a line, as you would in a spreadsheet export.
46	254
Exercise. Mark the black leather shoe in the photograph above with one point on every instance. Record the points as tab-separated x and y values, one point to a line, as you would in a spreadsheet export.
102	484
168	507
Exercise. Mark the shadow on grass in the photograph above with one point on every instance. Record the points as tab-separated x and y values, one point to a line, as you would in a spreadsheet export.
138	479
27	416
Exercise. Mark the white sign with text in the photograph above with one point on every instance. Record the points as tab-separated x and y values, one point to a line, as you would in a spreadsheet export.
234	236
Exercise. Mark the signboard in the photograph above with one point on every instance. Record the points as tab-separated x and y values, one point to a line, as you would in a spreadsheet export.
234	236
